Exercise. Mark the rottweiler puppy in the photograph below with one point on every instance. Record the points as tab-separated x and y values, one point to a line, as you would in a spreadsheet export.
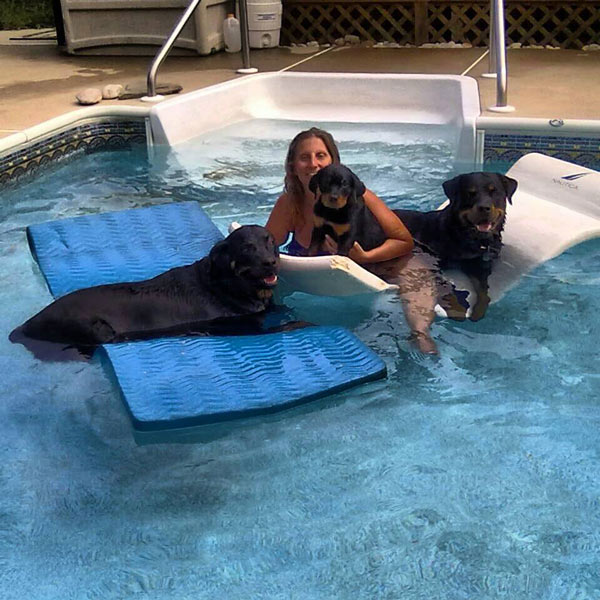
467	233
217	294
341	213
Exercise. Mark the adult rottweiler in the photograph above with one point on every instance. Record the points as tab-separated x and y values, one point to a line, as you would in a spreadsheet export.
341	213
467	233
218	294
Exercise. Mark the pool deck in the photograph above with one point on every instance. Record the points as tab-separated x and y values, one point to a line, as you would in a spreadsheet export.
38	81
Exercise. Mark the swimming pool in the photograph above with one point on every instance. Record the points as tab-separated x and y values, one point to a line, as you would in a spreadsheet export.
473	476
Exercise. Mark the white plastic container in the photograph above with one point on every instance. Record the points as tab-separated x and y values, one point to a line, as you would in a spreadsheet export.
264	23
231	34
140	27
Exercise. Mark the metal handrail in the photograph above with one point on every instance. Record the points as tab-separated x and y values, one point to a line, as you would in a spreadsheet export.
499	42
166	47
245	35
498	54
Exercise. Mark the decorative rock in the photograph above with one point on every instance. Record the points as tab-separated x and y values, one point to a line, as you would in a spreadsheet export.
340	42
313	44
304	49
89	96
112	91
591	47
137	90
387	45
352	39
515	45
447	45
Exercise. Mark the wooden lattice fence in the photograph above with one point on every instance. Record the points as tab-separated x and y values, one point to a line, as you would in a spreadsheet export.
530	22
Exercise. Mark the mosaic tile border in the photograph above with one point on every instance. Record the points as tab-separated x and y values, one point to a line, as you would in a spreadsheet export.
84	138
118	133
509	147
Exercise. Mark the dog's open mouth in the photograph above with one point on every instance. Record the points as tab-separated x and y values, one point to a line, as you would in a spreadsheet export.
484	227
271	280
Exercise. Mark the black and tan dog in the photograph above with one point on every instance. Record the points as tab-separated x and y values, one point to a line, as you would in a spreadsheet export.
341	213
211	296
467	233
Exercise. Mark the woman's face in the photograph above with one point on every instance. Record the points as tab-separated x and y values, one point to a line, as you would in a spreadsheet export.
311	155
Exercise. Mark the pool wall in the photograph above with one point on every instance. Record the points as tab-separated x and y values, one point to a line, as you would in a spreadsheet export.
449	102
82	131
506	139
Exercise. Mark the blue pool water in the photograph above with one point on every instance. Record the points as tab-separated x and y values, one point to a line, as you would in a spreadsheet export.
474	476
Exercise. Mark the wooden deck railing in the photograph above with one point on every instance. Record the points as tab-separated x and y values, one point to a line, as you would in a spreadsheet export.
556	23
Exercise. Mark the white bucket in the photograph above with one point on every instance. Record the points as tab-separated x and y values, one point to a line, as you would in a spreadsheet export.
264	24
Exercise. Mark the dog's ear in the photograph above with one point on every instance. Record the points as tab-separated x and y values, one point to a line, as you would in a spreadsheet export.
220	260
359	186
452	188
313	184
510	186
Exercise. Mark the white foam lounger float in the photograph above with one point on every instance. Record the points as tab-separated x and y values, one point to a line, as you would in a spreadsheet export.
556	206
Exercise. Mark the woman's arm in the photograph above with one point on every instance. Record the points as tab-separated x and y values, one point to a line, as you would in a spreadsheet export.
279	222
399	241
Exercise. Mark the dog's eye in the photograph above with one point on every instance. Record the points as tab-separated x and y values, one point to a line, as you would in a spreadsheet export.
491	188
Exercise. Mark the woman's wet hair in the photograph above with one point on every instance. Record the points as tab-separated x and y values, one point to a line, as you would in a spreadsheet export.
292	185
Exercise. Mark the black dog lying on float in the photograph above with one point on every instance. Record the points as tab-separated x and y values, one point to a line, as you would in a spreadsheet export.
341	213
227	292
467	233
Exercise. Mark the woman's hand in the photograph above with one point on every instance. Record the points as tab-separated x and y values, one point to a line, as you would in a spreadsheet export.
357	254
330	245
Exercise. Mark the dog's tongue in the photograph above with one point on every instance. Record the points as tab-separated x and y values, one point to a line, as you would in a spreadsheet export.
271	280
484	227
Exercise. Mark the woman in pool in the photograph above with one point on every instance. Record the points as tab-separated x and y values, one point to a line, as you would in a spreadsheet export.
394	260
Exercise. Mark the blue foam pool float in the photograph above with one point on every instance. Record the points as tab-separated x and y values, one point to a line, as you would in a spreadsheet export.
174	383
128	245
184	382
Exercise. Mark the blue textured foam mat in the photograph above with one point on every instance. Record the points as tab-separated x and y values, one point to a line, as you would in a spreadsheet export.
128	245
179	382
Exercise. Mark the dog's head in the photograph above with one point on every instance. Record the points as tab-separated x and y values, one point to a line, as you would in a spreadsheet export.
248	260
479	200
335	185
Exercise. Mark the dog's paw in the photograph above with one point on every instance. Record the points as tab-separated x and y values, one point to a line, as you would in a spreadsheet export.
459	314
291	326
455	307
478	312
102	331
